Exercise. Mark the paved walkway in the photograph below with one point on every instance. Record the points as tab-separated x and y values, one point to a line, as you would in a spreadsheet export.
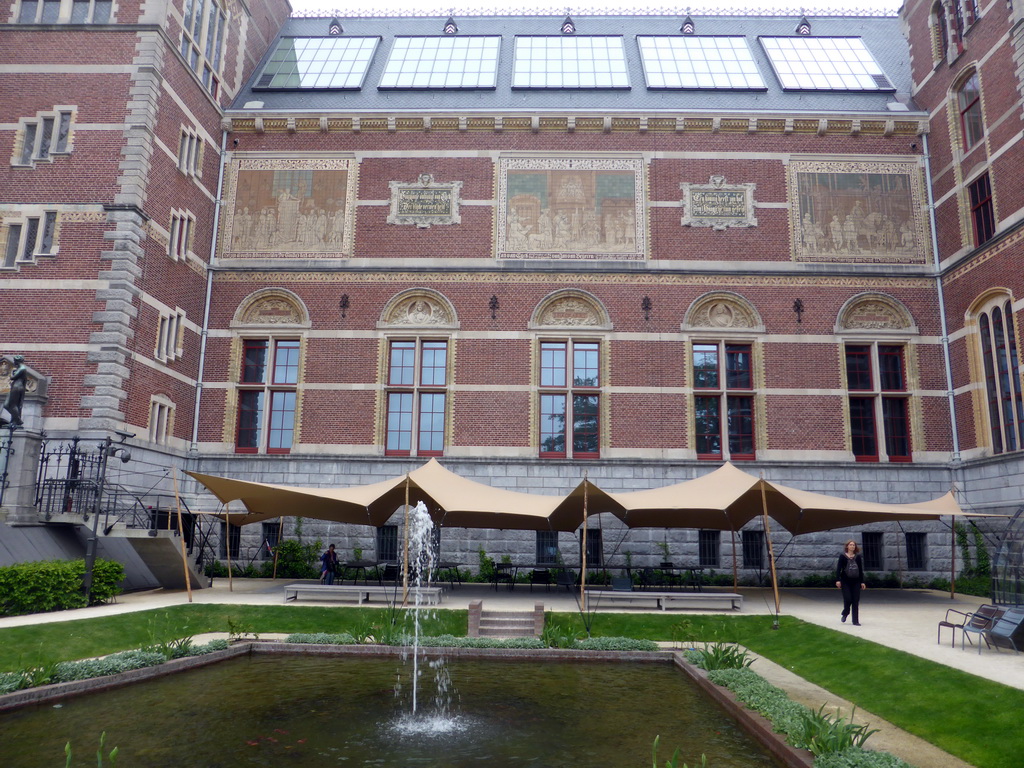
902	619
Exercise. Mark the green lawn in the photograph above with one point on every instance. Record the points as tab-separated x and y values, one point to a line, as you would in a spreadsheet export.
972	718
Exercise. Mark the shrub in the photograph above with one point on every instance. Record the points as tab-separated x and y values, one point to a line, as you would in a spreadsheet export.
615	644
321	638
723	656
56	585
298	561
855	757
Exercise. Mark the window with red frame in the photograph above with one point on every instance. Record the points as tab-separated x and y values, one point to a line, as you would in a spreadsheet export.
723	402
876	380
569	399
416	397
983	214
957	12
269	375
968	98
1002	377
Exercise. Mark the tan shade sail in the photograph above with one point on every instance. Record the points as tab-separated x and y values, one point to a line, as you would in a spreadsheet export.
725	499
451	500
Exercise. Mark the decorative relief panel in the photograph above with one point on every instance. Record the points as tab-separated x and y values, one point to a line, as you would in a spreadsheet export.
874	313
271	306
425	202
570	309
289	208
571	208
722	311
857	211
718	205
420	309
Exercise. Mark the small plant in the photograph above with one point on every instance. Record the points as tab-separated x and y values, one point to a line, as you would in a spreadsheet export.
111	757
486	566
723	656
663	546
822	733
674	762
681	630
557	635
357	553
240	630
173	649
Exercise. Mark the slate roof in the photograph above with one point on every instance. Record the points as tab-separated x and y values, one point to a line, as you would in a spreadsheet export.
882	35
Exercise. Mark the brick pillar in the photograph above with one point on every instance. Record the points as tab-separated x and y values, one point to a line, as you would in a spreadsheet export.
476	608
538	619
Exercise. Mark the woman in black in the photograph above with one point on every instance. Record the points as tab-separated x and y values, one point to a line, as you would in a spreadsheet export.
850	579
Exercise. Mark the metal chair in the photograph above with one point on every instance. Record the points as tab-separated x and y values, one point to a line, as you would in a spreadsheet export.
540	576
979	621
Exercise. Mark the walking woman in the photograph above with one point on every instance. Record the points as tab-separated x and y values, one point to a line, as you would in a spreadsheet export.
850	579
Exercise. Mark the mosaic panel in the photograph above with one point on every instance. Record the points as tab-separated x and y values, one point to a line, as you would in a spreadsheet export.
287	208
571	208
857	212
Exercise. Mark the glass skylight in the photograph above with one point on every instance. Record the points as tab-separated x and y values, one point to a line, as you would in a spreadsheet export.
570	62
824	64
319	62
442	62
690	61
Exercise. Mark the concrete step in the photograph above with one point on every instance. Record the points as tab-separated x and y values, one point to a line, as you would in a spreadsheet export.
506	624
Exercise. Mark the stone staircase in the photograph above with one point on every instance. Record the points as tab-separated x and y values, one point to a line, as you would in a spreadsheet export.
505	623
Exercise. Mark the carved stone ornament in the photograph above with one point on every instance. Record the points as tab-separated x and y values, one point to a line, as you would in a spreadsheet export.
419	311
875	315
718	205
425	202
570	311
272	311
721	312
34	381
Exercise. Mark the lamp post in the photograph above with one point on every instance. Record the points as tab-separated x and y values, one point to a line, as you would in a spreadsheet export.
107	449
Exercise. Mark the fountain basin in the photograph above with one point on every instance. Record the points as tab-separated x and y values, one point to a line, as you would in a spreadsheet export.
319	706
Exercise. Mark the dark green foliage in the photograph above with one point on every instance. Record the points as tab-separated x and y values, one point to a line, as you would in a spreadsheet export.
298	561
56	585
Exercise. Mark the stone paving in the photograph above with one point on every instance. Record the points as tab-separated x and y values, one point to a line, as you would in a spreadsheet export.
902	619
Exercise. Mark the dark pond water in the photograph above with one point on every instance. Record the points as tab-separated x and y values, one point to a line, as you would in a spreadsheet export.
314	711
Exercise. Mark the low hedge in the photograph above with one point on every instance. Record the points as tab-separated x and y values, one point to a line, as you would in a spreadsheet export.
56	585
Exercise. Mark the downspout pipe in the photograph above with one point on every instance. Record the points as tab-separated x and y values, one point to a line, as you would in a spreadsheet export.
193	448
954	432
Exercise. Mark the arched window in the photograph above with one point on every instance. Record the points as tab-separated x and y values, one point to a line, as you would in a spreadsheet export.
998	342
968	102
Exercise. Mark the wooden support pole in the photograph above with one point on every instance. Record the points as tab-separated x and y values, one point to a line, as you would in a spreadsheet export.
181	538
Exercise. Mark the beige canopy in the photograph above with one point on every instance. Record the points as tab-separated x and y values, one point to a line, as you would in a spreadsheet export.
728	498
725	499
451	499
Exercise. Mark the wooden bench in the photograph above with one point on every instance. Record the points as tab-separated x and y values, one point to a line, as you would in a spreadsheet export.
361	594
666	600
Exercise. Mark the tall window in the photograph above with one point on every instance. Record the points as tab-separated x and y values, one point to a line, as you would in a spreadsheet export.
968	99
271	535
709	545
877	382
957	13
48	134
753	549
31	237
547	548
871	549
998	337
387	544
570	399
940	32
190	153
267	395
230	535
416	397
917	551
161	419
723	402
595	548
168	337
202	41
983	215
180	241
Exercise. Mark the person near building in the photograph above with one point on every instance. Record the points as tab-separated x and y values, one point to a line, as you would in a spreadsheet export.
850	579
329	565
